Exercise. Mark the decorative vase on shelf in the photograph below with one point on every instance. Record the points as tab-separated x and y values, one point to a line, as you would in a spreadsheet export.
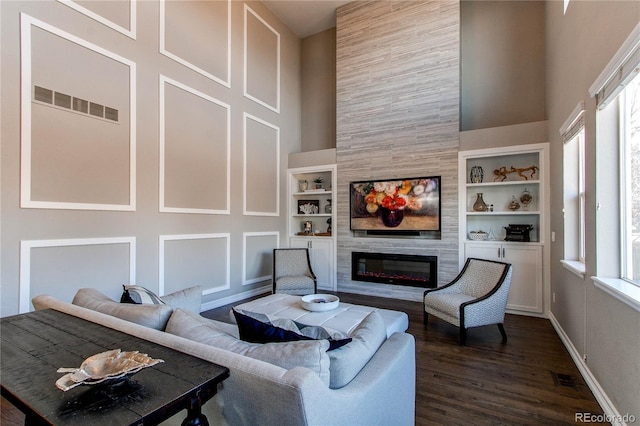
479	205
492	236
327	207
526	198
476	175
303	185
514	204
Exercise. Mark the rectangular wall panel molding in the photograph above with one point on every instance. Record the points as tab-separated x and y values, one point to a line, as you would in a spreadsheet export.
73	161
261	61
77	265
194	259
127	12
197	34
257	255
261	167
195	151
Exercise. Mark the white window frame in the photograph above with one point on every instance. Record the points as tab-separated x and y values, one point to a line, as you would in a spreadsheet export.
626	198
574	191
582	183
605	89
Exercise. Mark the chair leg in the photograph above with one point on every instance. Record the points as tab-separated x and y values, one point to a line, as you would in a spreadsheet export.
463	336
504	333
425	317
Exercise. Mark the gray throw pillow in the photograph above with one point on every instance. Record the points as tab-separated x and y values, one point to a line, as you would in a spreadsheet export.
153	316
348	360
311	354
189	299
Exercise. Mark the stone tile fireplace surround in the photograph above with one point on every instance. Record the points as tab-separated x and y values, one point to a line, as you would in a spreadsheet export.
397	80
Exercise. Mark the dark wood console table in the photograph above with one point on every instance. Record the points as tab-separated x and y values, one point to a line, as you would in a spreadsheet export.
36	344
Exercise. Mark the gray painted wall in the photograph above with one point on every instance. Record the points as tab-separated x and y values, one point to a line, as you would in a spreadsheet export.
580	43
397	116
146	224
503	63
319	91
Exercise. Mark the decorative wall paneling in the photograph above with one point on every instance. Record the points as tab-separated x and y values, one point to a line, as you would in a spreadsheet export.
257	255
68	173
194	259
102	263
261	61
190	35
100	151
195	151
261	167
120	16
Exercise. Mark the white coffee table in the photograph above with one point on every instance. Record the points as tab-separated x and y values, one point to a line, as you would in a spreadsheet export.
344	318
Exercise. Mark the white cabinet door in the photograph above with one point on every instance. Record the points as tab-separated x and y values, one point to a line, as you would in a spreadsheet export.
321	255
525	293
489	251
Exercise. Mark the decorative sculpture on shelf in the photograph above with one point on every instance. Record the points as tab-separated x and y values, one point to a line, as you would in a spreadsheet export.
502	172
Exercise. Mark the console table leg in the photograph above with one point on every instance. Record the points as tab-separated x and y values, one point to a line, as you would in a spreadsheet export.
195	418
194	414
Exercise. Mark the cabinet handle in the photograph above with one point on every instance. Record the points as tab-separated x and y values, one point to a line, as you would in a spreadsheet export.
503	252
498	252
309	244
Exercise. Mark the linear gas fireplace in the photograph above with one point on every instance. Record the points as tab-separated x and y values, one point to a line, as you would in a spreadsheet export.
399	269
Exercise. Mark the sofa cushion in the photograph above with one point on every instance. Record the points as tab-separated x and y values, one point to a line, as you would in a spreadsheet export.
153	316
189	299
347	361
311	354
139	295
259	328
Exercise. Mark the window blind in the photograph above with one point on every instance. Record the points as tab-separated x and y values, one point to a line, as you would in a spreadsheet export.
574	123
624	65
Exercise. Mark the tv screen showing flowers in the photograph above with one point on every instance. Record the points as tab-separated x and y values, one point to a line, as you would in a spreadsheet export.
410	204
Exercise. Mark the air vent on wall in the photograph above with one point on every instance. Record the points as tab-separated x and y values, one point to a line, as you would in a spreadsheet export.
68	102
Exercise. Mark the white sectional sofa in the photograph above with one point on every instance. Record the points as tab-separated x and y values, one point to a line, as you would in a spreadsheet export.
260	393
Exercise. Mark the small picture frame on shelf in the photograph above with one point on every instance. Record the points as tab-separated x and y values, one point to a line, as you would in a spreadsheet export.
308	206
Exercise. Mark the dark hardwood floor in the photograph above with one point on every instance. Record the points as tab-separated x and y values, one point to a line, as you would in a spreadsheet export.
483	383
486	382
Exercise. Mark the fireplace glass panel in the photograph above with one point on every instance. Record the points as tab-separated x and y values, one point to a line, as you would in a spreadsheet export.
398	269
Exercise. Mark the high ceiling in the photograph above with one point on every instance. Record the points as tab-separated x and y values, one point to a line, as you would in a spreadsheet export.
306	17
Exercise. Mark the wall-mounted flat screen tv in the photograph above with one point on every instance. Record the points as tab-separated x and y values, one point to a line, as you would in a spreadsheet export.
409	205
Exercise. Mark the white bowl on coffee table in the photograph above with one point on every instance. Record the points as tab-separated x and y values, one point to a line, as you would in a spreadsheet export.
320	302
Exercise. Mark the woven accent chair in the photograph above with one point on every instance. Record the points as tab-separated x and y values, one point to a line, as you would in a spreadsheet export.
476	297
292	272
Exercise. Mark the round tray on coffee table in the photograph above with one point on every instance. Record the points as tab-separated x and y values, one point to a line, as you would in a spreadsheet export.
320	302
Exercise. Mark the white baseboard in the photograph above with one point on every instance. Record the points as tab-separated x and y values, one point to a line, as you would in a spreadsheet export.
235	298
611	413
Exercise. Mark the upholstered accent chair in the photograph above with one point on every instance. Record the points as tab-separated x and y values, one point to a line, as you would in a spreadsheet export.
476	297
292	273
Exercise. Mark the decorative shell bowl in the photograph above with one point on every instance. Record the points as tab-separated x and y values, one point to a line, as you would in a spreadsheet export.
478	235
109	365
320	302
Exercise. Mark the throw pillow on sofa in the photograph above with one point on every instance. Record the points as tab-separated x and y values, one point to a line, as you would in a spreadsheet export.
153	316
188	298
347	361
139	295
258	328
311	354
